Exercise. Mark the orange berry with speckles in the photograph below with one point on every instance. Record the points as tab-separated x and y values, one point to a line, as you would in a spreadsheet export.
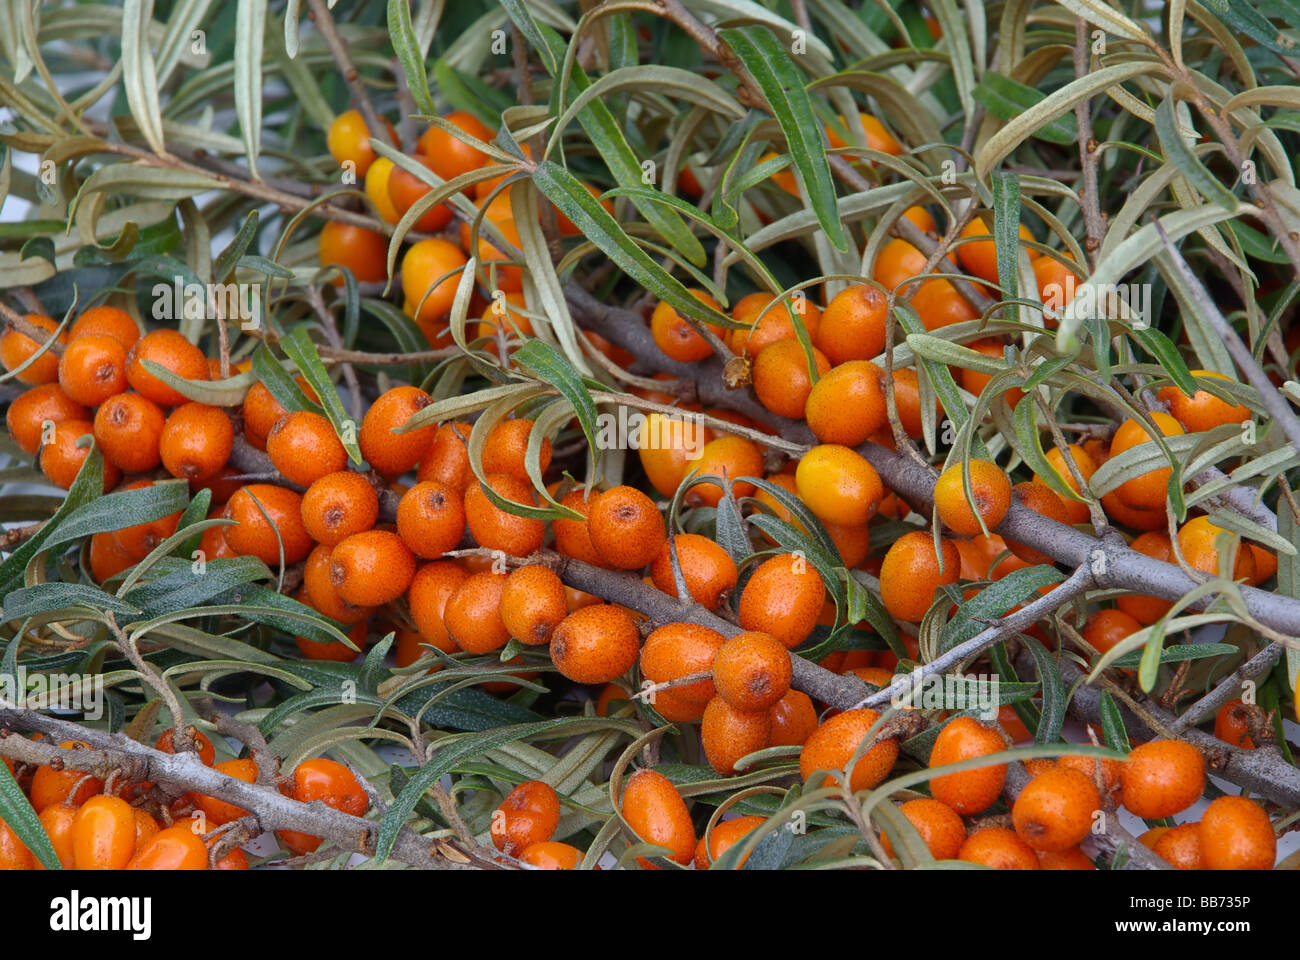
304	447
447	459
473	613
999	848
371	568
109	320
969	791
656	812
196	441
61	458
678	650
129	428
781	379
320	594
58	820
497	529
335	651
1180	847
1149	491
1236	835
752	671
533	603
677	338
910	575
261	511
776	324
176	848
107	557
1161	778
707	569
1107	627
17	348
364	252
392	454
723	837
529	814
552	855
1069	859
173	352
1054	810
794	718
626	528
93	368
1101	772
26	416
573	537
839	485
1199	541
1232	724
338	505
14	854
853	325
595	644
330	783
937	823
432	586
139	539
50	786
833	744
728	456
729	734
1076	510
847	406
783	598
1202	410
103	834
431	519
506	446
990	492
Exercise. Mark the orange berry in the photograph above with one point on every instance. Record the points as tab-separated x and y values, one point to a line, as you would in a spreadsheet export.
176	848
17	348
656	813
970	791
907	399
529	814
707	569
910	575
1076	510
794	718
728	734
1232	724
896	263
320	594
1054	810
196	441
30	410
853	325
990	492
432	586
839	485
105	319
1044	501
496	529
937	823
1070	859
1202	410
595	644
103	834
141	538
847	406
262	411
832	745
1161	778
781	379
552	855
61	458
999	848
422	266
773	325
730	457
1090	767
14	855
377	189
1107	627
338	505
392	454
173	352
362	251
783	598
447	459
431	519
472	613
449	157
348	141
128	428
669	447
626	528
371	568
335	650
723	837
330	783
752	671
533	603
1146	610
572	537
219	812
1236	835
875	134
93	368
58	820
50	786
405	189
677	338
677	650
1150	490
505	448
974	381
1198	541
260	511
980	257
107	557
1181	847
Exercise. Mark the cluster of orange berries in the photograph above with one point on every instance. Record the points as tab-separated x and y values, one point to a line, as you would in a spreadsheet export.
91	828
430	267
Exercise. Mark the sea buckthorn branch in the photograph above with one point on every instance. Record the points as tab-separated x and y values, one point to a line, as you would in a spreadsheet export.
1230	687
1089	201
30	330
185	773
320	15
1076	585
181	731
